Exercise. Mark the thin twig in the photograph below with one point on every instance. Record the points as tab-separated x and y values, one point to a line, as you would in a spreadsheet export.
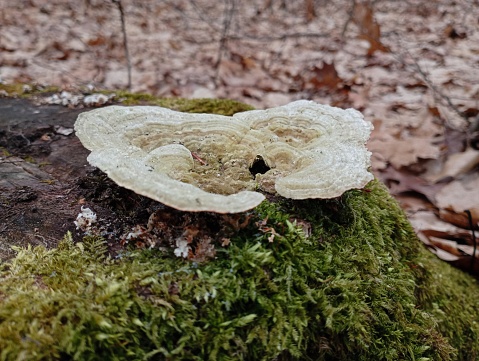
261	39
201	14
197	157
58	68
350	18
280	37
471	226
125	40
227	19
435	89
425	77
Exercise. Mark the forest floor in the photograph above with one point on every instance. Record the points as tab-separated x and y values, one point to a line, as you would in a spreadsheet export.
411	67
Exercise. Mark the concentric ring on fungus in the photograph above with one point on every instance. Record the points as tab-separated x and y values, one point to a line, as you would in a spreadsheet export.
203	162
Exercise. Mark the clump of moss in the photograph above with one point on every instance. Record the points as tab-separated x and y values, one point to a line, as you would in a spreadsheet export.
217	106
26	90
360	287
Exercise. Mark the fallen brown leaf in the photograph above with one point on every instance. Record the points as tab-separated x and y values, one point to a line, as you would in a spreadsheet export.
457	219
363	17
404	152
461	194
403	181
457	165
325	76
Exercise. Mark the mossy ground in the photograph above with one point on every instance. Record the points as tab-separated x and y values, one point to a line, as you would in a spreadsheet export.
360	287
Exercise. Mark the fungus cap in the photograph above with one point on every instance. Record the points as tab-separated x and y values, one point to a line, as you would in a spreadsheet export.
208	162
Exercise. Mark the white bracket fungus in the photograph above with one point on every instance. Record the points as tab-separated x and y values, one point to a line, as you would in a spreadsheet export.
206	162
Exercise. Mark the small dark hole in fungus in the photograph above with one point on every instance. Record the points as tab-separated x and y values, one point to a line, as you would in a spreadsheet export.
258	166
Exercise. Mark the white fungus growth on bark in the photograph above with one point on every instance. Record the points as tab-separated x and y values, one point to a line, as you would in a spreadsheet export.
206	162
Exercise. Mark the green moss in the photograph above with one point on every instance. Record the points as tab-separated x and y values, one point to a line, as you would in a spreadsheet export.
29	159
5	152
217	106
26	90
361	287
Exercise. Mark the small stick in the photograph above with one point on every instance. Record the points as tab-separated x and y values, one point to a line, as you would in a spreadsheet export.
125	41
198	158
228	17
471	225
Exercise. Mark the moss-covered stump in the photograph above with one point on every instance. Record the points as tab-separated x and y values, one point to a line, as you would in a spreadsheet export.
359	287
